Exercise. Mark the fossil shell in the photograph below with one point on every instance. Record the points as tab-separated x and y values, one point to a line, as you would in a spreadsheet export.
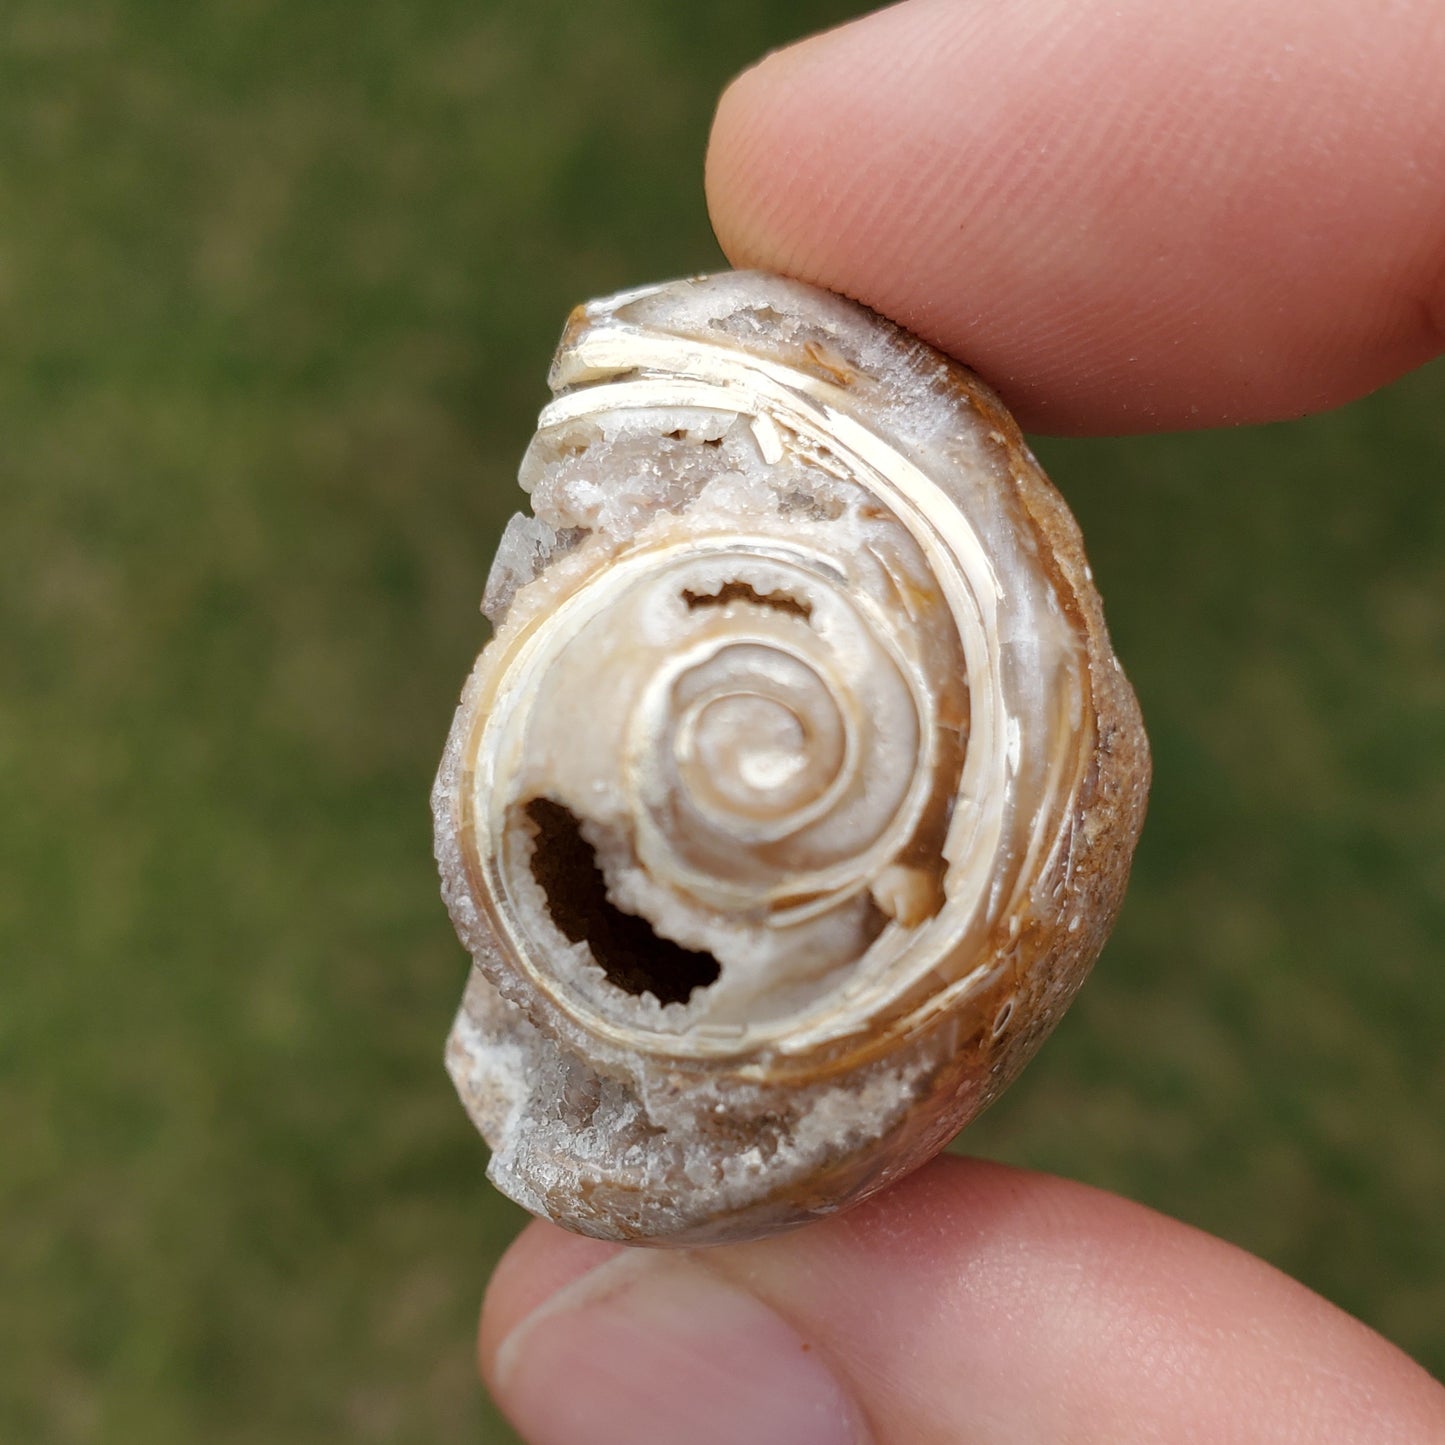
796	791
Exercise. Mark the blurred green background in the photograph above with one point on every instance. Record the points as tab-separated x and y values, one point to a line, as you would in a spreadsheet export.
278	288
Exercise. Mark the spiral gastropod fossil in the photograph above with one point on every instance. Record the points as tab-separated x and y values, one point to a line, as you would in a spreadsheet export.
796	791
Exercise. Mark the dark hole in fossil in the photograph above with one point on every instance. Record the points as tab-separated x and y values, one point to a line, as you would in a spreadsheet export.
631	955
746	592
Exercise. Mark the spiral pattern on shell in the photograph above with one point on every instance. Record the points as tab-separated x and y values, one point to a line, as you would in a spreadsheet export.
796	791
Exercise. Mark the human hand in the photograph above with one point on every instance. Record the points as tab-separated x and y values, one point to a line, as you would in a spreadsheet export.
1126	217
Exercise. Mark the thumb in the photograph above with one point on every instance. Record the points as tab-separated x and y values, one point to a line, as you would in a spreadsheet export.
969	1303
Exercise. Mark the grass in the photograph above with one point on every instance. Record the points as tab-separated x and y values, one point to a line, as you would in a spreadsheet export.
278	286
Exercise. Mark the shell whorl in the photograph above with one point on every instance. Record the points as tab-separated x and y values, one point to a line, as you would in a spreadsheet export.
796	791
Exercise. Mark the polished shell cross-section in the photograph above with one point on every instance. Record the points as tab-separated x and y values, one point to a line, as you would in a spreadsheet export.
796	791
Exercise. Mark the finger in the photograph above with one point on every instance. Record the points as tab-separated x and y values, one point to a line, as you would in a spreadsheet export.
1127	216
969	1303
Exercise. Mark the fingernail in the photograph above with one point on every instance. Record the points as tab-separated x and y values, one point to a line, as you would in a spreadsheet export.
652	1349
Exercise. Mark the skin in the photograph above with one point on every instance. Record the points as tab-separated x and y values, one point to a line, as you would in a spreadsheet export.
1126	216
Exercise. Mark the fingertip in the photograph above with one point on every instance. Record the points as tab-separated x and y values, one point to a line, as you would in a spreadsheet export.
747	220
542	1260
970	1300
776	138
1125	218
